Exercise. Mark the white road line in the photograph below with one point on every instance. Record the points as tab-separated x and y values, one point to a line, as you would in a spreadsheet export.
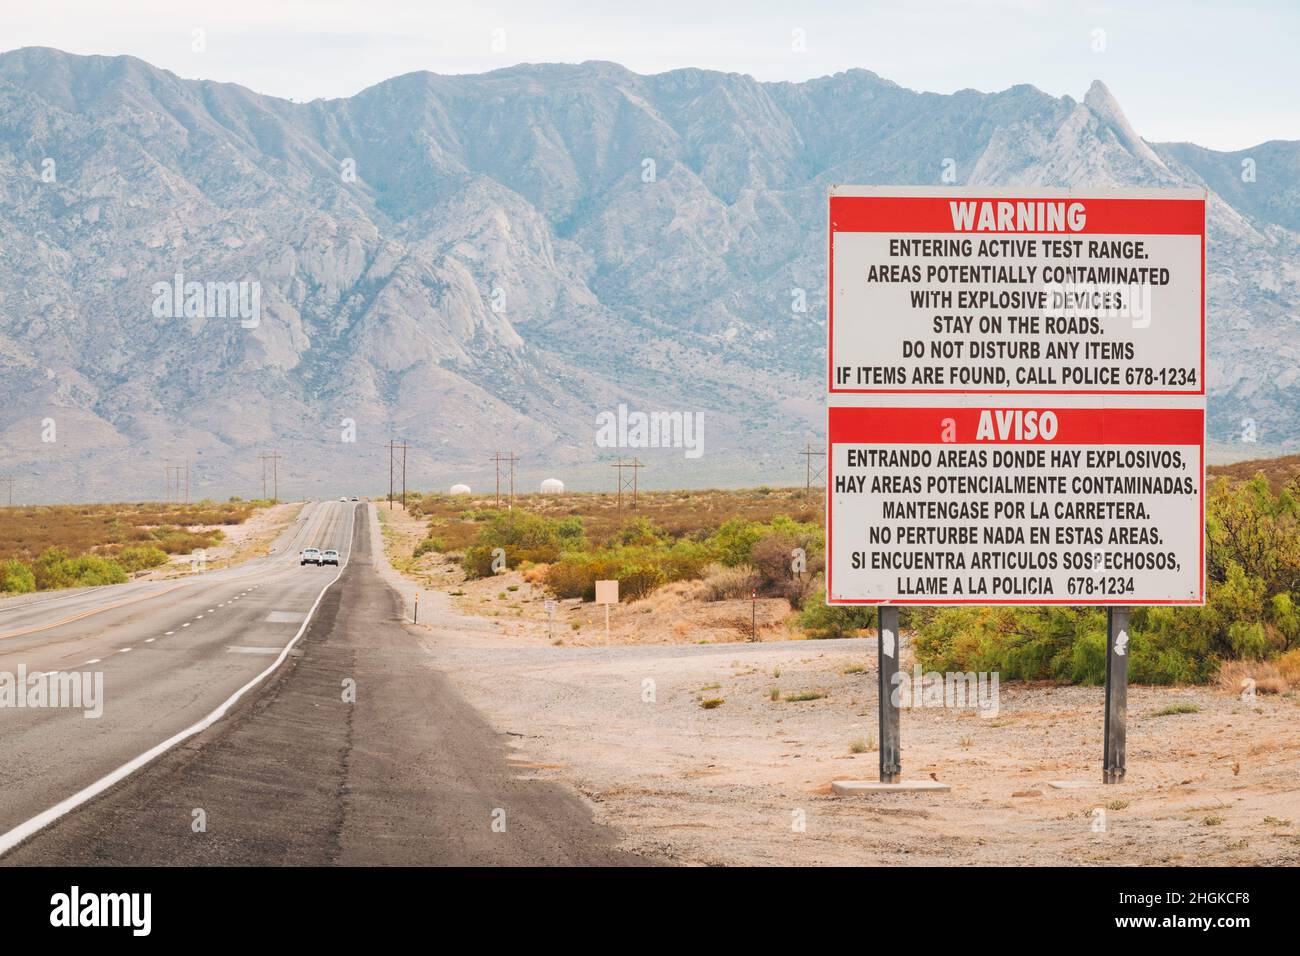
169	634
37	823
125	650
198	617
186	624
93	660
211	609
150	640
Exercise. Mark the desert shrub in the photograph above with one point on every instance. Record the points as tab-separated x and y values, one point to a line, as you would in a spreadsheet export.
427	545
180	541
723	583
821	620
638	531
478	561
1252	610
16	577
56	569
637	580
684	560
140	557
575	576
523	536
733	543
773	559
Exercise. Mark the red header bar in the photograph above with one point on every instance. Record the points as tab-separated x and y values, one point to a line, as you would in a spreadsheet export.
1003	426
963	215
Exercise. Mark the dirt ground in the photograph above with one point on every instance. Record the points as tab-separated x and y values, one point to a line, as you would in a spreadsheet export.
671	615
240	541
1212	779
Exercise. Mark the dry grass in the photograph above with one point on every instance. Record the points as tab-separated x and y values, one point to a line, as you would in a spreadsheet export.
106	529
1276	471
1278	676
456	520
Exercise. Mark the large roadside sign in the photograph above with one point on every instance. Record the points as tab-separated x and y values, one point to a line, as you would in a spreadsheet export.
1016	396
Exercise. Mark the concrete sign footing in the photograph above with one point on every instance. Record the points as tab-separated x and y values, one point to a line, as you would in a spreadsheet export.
853	788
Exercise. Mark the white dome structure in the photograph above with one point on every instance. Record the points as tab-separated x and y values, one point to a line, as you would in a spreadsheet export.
459	489
552	486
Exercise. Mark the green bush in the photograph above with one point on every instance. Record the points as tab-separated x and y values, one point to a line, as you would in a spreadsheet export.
635	581
56	569
575	576
734	541
432	544
16	577
141	557
523	536
821	620
1253	592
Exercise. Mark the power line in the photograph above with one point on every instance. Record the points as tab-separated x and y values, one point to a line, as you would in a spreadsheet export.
809	453
625	483
10	479
393	445
499	461
274	458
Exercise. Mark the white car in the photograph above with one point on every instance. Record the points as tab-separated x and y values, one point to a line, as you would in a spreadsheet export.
329	557
310	556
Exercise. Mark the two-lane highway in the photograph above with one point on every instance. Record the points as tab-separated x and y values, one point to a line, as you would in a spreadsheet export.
355	750
170	653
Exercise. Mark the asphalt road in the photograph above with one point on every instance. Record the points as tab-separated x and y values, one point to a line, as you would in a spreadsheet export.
404	772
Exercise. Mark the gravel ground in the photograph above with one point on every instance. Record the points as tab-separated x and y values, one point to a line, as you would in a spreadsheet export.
748	780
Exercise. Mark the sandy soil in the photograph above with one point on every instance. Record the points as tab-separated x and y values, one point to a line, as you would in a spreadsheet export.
731	784
672	615
748	780
241	541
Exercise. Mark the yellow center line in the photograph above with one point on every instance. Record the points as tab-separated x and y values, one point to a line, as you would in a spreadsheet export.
94	610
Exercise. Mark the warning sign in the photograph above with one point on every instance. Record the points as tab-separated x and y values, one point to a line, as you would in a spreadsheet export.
1016	396
996	505
985	291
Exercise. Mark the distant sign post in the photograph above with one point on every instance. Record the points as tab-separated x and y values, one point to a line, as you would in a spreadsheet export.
1016	407
607	594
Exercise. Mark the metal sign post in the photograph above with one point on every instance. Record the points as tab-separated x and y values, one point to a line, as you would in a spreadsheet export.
891	766
1116	694
607	594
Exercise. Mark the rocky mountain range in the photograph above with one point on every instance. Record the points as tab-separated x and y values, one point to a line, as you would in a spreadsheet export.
488	262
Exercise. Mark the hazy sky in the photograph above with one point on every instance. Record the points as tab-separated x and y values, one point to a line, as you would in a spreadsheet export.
1225	75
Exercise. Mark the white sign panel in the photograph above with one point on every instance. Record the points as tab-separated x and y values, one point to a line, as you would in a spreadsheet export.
978	290
998	505
1016	397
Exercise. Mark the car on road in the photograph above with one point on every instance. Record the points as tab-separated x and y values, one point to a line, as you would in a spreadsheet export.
330	557
343	498
310	556
354	497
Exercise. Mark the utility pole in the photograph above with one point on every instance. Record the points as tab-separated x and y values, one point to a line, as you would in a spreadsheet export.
809	453
173	492
499	461
392	446
10	479
274	458
634	466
